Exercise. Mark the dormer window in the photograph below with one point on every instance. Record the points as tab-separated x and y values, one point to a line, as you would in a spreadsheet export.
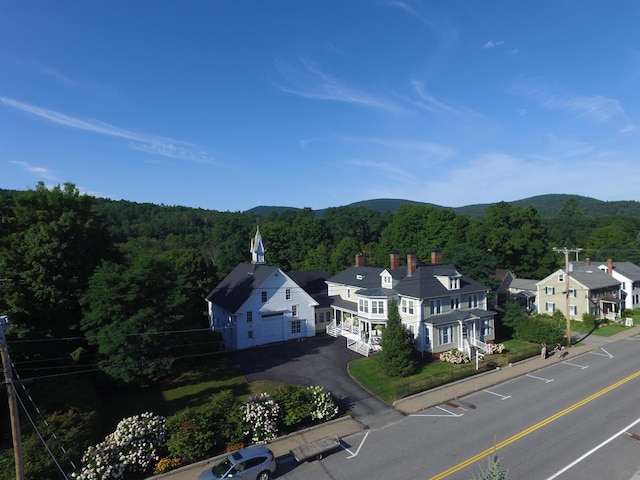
454	283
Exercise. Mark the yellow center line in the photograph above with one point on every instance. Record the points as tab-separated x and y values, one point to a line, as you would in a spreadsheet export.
533	428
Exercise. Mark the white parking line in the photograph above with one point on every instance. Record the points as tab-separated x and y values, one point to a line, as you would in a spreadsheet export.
502	397
448	413
359	446
593	450
582	367
605	354
545	380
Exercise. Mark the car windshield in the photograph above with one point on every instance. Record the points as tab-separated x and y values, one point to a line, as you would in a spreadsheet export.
222	467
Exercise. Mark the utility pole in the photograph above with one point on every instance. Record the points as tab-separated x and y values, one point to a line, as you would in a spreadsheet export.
13	404
566	252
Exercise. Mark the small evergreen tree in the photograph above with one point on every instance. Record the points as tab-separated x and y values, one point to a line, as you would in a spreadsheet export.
396	356
493	471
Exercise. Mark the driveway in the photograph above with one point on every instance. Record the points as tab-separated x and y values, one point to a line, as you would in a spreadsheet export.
320	361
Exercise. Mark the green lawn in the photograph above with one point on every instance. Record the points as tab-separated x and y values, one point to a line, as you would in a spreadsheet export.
369	375
605	330
188	390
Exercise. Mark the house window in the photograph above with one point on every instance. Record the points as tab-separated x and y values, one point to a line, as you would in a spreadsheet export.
249	334
550	307
454	283
486	328
561	277
407	306
249	317
264	297
473	301
435	306
287	294
294	310
348	293
455	303
573	292
573	310
377	307
363	305
445	335
295	326
550	290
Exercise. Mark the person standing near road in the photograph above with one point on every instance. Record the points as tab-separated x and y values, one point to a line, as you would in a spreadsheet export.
543	353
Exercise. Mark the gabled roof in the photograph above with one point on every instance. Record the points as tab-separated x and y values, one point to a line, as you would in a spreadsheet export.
238	286
359	277
592	277
461	316
628	270
311	281
523	284
424	284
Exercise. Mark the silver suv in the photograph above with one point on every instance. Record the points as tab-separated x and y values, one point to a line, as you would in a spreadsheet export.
251	463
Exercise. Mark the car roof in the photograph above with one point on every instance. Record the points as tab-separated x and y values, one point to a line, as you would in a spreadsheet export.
249	452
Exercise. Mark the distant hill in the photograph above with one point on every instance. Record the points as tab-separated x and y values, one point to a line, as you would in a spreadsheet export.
547	205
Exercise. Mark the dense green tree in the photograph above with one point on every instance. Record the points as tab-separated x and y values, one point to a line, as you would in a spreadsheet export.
518	239
137	315
419	228
344	254
473	262
53	243
396	356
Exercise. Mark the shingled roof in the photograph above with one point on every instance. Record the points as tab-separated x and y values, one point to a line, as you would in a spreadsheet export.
236	287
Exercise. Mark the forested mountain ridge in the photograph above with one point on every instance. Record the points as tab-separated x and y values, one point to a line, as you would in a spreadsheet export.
547	206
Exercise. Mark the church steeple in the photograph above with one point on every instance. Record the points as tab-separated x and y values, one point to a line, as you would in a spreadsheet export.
257	248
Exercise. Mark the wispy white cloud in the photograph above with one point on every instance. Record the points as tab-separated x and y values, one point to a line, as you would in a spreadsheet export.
40	173
430	103
595	107
386	167
493	44
152	144
309	81
447	33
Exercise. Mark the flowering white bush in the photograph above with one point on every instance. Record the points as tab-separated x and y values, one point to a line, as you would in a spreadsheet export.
133	446
323	406
497	348
261	414
454	356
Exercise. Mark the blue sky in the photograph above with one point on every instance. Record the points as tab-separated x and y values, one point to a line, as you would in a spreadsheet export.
227	105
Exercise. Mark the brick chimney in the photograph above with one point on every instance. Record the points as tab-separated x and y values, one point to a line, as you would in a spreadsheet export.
361	260
436	256
610	267
395	260
412	262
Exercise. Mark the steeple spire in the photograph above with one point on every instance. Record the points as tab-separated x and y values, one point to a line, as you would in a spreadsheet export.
257	248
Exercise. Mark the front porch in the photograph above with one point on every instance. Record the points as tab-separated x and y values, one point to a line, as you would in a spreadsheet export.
362	336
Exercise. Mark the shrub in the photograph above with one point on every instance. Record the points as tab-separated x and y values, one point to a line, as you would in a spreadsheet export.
295	404
131	447
323	406
166	464
538	330
589	320
261	414
454	356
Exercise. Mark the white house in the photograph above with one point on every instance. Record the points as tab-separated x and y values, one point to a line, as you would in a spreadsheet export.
258	304
441	308
628	274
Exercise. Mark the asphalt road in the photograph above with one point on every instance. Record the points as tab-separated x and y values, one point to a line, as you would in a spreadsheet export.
576	419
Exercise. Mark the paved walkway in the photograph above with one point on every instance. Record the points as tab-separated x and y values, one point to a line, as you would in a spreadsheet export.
346	426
